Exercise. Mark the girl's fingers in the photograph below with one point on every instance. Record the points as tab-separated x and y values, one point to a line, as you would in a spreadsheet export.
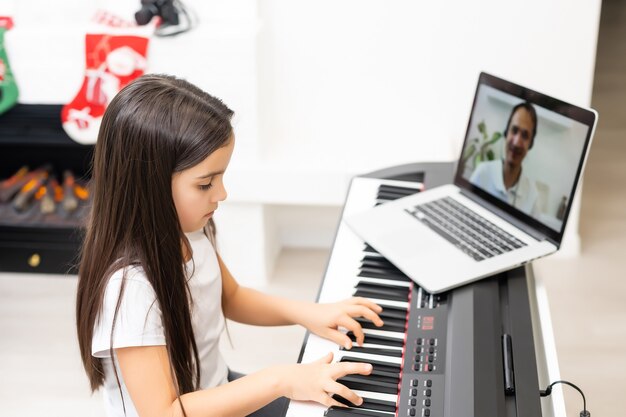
338	337
345	368
346	393
324	399
367	303
327	401
362	311
354	326
328	358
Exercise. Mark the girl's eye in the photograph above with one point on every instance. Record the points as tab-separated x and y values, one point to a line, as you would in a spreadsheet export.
205	187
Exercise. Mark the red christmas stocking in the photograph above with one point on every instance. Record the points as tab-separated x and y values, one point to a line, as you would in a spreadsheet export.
115	54
8	87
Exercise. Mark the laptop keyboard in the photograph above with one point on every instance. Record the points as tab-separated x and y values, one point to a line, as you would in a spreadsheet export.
471	233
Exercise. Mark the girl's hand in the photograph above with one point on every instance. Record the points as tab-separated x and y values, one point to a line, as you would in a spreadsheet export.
325	319
317	381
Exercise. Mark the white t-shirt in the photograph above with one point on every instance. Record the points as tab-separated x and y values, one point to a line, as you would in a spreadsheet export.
523	195
139	321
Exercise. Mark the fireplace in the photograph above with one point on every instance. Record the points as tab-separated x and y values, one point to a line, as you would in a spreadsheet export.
35	238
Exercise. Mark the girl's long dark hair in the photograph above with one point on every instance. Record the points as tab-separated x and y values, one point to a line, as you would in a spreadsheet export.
155	127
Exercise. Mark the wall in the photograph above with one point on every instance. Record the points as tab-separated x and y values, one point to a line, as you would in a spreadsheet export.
357	85
325	90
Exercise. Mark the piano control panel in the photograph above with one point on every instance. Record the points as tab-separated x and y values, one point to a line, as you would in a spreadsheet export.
422	384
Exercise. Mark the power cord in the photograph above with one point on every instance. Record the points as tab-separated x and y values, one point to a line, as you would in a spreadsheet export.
548	391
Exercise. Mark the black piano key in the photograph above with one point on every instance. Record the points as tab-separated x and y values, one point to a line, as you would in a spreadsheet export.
390	195
390	313
374	272
394	188
380	290
370	249
370	294
399	190
376	363
377	262
354	412
404	191
384	289
369	403
381	368
383	262
378	340
381	270
390	325
393	277
362	383
379	377
374	351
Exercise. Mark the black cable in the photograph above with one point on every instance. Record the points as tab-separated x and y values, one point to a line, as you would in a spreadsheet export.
548	391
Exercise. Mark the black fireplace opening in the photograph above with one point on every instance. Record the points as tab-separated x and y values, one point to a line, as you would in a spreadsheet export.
44	192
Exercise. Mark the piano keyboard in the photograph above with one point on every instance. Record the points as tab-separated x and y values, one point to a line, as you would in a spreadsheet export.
438	355
391	349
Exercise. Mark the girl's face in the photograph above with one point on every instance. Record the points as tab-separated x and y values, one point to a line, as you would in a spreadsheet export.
198	190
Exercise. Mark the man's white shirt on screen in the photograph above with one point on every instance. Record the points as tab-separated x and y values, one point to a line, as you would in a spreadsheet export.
522	195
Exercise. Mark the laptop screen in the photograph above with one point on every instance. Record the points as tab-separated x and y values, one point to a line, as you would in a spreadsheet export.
524	152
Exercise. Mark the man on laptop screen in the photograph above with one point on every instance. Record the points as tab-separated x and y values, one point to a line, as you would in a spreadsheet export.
534	164
504	178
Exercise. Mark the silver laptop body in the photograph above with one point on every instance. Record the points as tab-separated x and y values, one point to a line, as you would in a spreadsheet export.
458	233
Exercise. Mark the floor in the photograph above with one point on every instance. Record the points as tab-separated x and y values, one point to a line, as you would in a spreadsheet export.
40	372
39	358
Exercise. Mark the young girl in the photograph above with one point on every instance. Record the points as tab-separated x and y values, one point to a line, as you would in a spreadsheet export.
153	293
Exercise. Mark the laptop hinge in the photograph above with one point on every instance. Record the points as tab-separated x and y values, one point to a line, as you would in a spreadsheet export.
554	242
507	217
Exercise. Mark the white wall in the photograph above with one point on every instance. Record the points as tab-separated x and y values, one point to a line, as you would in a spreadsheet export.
323	89
392	82
363	84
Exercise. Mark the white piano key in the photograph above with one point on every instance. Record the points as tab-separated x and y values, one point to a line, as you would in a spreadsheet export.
377	396
368	356
373	254
362	195
305	409
390	303
377	346
420	294
395	335
385	281
318	347
312	409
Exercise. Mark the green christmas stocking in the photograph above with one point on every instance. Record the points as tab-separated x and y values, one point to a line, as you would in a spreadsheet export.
8	88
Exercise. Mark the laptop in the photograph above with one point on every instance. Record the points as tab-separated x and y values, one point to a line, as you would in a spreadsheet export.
514	183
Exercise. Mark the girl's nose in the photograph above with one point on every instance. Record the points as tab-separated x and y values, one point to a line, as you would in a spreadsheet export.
221	194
